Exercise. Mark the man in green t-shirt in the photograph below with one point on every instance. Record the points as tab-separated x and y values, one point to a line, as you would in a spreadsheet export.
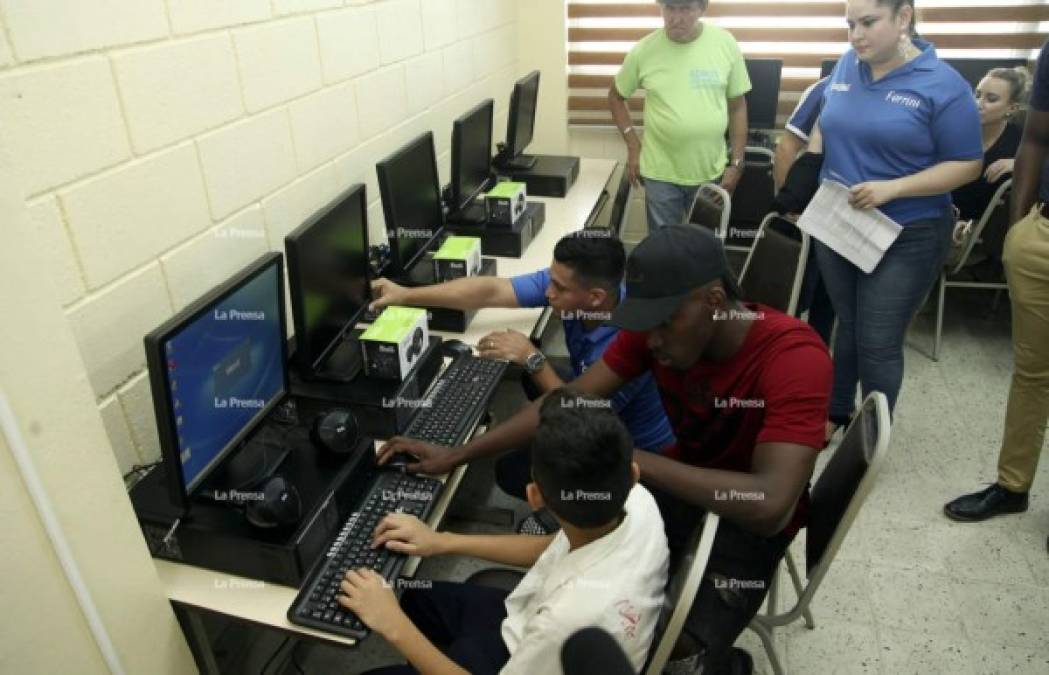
694	78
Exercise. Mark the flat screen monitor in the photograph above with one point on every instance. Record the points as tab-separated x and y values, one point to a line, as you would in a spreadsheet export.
520	123
411	201
328	279
763	97
216	370
974	70
471	154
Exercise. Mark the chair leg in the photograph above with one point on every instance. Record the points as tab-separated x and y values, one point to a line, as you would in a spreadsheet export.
773	595
939	318
765	634
795	578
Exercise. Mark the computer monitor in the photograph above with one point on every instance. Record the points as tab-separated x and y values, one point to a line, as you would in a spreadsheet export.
329	287
520	123
216	370
411	201
826	67
471	154
974	70
763	97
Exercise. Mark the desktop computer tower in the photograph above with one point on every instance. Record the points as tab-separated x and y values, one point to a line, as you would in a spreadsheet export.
383	408
218	536
506	241
550	176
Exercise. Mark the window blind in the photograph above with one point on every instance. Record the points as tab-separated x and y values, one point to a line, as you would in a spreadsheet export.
802	33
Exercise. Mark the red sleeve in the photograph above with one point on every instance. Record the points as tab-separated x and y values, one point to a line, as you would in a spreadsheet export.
797	386
628	355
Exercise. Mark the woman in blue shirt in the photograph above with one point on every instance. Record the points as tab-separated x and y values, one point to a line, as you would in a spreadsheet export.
901	128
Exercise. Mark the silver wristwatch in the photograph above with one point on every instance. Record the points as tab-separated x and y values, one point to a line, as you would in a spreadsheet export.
535	362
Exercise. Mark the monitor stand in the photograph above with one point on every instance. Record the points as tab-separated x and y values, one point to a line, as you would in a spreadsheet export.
256	460
343	364
518	163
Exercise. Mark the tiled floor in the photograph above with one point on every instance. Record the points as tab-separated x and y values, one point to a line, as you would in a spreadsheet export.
910	591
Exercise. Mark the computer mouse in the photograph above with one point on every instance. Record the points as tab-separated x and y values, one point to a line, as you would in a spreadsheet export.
400	462
455	348
277	505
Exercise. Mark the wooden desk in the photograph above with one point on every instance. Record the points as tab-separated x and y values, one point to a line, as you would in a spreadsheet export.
266	604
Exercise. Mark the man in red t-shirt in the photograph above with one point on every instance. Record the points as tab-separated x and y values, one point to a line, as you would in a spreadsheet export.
746	389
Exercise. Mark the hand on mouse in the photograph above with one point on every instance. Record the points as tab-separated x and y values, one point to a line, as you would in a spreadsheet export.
433	459
404	533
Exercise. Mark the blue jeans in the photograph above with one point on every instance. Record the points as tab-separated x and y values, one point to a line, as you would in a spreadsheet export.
875	309
667	203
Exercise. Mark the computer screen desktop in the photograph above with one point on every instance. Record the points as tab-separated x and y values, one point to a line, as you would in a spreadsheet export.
223	369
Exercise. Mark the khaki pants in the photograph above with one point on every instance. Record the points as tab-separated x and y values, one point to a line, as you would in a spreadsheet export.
1026	258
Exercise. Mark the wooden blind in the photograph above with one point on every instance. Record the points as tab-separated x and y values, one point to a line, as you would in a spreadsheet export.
801	33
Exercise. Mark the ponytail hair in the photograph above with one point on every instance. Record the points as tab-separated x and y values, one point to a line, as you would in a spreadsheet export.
897	5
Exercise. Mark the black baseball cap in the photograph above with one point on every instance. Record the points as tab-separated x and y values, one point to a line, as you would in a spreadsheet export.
664	268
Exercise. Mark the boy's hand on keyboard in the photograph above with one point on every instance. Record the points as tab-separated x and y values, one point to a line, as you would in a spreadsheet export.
371	598
404	533
433	459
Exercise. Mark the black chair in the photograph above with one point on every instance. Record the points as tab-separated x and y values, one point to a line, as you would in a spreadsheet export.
711	208
775	267
836	499
955	275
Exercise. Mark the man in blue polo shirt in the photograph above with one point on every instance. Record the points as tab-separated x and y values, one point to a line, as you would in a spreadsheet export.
584	283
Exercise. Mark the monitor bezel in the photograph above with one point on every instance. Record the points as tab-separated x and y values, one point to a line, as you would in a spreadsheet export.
459	201
402	266
779	89
179	492
292	245
512	150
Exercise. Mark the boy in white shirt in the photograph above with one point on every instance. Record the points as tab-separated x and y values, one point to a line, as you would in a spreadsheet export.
607	566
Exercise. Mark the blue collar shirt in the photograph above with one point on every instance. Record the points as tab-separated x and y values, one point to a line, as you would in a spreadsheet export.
915	117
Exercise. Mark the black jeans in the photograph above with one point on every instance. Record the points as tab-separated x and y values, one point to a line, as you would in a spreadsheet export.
735	583
463	621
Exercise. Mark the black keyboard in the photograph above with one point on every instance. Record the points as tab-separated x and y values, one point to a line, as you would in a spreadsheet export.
456	401
315	606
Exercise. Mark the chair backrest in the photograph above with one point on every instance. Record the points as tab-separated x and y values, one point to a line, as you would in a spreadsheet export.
775	268
756	189
682	586
996	213
711	208
844	483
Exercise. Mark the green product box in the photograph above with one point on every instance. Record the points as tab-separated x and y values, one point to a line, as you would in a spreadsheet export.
505	203
394	342
457	257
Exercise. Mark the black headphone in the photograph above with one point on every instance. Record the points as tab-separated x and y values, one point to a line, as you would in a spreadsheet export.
335	432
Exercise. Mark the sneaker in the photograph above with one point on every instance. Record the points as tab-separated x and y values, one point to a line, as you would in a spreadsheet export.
991	501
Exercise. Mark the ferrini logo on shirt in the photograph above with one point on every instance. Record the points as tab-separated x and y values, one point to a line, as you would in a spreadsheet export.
906	101
629	618
840	86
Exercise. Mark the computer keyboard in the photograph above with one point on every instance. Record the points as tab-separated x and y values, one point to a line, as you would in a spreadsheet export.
316	606
456	401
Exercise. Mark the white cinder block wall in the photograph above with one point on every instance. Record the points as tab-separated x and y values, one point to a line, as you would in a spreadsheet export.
166	143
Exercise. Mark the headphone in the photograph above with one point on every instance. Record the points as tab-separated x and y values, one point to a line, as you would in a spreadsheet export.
335	432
